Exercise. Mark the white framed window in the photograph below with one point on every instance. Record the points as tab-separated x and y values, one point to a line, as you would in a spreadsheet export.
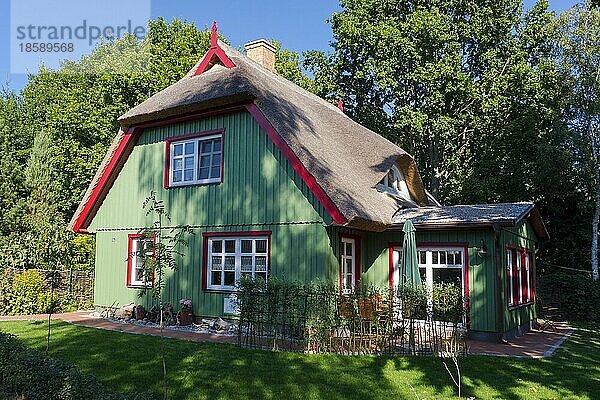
195	161
229	258
348	265
139	249
519	276
442	265
509	277
436	265
393	182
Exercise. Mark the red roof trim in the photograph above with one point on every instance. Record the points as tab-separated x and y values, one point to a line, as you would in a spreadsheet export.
106	180
295	162
214	51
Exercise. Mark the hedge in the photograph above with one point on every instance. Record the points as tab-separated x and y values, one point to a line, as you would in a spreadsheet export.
577	296
30	373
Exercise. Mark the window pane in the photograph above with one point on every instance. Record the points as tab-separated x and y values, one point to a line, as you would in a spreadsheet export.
435	257
178	149
177	175
246	263
216	160
230	246
229	278
442	257
217	145
348	265
178	164
215	172
216	263
189	162
422	257
423	273
246	246
458	257
348	249
261	275
261	263
261	246
229	263
216	278
349	282
447	275
204	173
206	147
139	274
205	161
188	175
189	148
217	246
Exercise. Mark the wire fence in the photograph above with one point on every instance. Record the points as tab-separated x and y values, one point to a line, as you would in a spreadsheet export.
317	318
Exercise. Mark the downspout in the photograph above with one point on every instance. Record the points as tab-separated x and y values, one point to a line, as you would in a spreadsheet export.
499	287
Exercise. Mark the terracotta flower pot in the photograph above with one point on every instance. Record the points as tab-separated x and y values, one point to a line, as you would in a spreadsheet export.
185	317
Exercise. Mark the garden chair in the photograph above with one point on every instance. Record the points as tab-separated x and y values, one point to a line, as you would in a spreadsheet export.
543	322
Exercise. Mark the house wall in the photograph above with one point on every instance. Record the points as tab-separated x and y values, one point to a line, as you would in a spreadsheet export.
375	266
522	236
260	192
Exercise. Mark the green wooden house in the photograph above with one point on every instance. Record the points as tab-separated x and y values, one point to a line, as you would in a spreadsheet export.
278	182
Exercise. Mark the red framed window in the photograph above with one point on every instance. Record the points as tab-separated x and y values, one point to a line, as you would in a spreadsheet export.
229	256
520	285
138	248
349	263
195	159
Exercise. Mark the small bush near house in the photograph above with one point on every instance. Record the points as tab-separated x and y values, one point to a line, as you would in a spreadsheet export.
26	294
577	296
29	373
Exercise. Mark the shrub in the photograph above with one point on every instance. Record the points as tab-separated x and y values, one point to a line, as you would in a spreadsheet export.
27	294
576	295
29	373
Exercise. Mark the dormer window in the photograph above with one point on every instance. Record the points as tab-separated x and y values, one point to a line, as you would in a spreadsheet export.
393	182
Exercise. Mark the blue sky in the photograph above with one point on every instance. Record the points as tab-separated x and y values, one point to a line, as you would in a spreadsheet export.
299	25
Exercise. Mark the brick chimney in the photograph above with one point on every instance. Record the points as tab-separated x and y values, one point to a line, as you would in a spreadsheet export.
261	52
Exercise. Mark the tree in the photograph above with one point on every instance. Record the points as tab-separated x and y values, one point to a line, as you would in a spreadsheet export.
472	89
160	252
578	50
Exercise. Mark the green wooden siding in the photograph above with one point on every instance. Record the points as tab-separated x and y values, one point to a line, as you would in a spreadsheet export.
375	266
521	236
260	192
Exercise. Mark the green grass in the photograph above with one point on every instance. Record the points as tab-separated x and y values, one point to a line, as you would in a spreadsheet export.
217	371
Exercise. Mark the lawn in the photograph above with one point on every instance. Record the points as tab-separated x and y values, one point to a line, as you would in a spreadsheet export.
128	362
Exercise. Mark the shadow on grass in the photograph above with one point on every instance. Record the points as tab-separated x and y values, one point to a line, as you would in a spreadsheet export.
204	370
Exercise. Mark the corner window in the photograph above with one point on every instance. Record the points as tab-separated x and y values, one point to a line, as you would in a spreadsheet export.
230	258
348	265
138	249
194	159
519	277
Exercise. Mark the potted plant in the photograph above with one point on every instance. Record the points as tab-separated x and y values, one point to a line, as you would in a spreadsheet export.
184	317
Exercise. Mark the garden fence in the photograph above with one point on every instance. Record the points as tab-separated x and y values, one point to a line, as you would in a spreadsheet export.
319	319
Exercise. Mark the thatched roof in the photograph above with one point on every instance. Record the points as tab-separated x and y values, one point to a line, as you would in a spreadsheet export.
346	159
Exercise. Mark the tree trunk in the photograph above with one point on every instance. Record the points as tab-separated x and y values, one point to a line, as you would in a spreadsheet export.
596	220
